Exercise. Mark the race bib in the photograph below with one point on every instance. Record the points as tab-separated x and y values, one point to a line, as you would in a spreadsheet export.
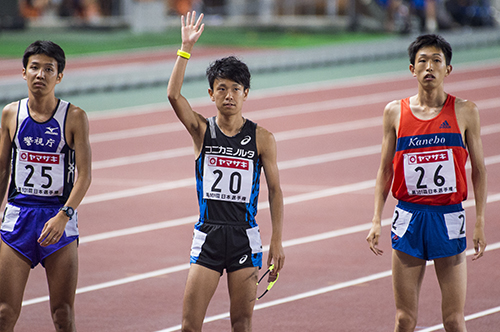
227	178
40	173
430	173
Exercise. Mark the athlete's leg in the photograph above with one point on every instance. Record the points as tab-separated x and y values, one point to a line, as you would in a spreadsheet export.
200	287
242	286
407	275
62	275
14	272
452	276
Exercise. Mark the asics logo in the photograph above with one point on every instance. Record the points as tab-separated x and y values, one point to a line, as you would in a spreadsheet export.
243	259
245	140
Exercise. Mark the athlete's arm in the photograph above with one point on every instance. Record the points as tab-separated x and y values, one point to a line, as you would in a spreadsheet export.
468	117
8	126
385	172
266	146
77	137
195	123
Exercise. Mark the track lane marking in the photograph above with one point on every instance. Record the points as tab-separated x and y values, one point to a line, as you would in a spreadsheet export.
299	241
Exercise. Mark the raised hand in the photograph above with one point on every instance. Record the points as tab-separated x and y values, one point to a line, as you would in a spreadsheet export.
191	29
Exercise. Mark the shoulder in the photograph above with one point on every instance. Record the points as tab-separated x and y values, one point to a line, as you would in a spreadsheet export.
263	134
10	108
75	113
9	113
392	113
393	107
265	140
464	107
467	114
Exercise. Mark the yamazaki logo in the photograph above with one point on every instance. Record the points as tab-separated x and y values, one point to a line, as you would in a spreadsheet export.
42	158
228	163
423	158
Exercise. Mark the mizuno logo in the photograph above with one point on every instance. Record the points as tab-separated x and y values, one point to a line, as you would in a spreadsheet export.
243	259
246	140
445	125
51	131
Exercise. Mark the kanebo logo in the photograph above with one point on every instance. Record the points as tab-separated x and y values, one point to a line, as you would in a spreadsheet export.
243	259
415	141
246	140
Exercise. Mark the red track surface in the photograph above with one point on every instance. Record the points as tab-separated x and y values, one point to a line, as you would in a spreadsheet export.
313	264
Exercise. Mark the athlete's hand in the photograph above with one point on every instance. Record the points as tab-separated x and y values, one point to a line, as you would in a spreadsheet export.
277	257
373	237
53	230
191	29
479	242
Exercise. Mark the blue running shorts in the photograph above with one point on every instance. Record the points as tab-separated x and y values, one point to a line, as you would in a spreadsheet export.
428	232
22	226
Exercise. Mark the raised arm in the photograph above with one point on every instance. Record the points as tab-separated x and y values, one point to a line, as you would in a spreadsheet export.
266	146
195	123
384	174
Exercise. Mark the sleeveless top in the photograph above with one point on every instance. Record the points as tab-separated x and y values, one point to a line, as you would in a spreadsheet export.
429	163
228	176
43	165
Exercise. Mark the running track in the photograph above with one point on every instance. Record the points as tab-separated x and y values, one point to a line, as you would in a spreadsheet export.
136	221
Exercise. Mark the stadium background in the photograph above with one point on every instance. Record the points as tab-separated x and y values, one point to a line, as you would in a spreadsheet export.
132	260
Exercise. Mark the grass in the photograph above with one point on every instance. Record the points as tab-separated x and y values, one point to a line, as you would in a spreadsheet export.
76	42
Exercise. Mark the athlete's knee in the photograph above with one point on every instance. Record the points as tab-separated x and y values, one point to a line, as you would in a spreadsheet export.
242	326
405	321
454	323
8	317
64	318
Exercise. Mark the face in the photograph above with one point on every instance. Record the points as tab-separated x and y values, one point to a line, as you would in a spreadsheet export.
228	96
430	67
41	74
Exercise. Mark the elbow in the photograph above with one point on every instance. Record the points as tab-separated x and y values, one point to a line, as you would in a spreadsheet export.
173	96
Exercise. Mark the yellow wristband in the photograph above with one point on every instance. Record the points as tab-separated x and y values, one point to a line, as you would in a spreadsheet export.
183	54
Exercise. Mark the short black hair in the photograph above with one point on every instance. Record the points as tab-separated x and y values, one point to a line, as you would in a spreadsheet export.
430	40
229	68
47	48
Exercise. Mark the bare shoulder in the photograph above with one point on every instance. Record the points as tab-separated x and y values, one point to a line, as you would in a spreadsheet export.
393	108
465	108
392	113
9	115
10	109
265	140
75	113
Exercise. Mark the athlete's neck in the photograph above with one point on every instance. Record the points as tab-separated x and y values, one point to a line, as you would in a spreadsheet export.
41	109
230	126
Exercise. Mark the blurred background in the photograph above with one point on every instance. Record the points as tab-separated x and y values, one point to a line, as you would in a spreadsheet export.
395	16
128	46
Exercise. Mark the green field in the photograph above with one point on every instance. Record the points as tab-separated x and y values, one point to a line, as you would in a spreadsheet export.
85	41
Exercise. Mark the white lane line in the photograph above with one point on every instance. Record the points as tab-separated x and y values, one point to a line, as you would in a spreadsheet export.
279	136
335	287
288	243
307	108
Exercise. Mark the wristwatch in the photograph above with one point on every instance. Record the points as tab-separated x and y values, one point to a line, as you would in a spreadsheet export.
68	210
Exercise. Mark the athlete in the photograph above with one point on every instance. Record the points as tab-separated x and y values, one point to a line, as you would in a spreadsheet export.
230	151
44	141
426	141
